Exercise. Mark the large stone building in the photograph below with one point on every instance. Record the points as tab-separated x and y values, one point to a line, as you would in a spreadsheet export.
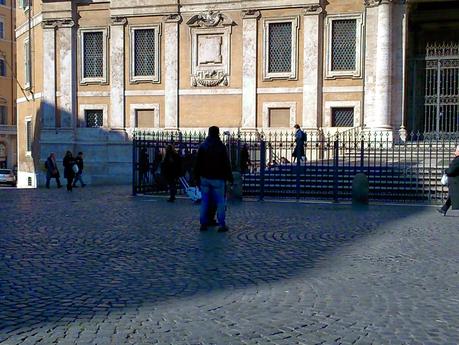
95	70
7	85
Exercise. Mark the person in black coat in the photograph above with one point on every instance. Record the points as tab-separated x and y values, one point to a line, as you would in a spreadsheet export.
52	171
69	173
212	170
300	139
171	168
453	185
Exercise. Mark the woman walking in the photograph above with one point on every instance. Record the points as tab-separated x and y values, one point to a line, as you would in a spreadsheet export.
69	173
453	185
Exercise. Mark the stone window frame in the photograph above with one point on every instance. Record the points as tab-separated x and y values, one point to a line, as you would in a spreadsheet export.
293	74
104	78
3	113
329	105
82	112
5	74
359	58
28	119
143	106
267	106
155	78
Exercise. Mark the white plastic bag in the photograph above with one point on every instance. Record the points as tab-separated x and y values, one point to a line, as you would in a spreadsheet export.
75	168
444	180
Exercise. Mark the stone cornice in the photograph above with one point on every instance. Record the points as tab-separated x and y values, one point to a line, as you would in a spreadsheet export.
57	23
374	3
313	10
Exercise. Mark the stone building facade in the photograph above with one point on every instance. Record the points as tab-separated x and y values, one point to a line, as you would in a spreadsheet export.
8	142
96	70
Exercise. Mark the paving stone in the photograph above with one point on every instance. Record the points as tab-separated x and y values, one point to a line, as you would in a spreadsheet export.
97	266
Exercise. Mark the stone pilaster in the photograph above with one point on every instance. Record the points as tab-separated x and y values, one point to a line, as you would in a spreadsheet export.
48	106
312	56
249	69
117	107
171	33
67	76
383	66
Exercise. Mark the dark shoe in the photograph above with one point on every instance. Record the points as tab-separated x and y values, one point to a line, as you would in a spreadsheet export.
223	228
442	211
170	200
203	227
213	222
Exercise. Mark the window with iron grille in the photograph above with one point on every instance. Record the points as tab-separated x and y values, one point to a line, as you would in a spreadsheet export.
94	118
93	54
29	135
144	52
342	117
344	45
3	114
280	47
2	68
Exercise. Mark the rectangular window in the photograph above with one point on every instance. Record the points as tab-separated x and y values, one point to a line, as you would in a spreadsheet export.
29	135
342	117
145	54
2	29
280	48
93	54
279	117
145	118
2	68
344	45
94	118
27	65
3	114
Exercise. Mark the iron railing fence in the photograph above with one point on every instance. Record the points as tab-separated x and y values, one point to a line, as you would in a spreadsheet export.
402	169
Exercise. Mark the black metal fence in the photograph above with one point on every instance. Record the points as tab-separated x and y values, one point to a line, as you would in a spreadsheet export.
403	169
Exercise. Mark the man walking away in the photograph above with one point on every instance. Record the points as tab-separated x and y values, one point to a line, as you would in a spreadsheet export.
52	171
212	170
453	184
78	176
300	139
171	168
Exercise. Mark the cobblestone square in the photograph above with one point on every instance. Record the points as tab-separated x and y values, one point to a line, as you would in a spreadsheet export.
98	266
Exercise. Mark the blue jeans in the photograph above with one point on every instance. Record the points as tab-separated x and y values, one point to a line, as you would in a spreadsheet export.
212	191
78	177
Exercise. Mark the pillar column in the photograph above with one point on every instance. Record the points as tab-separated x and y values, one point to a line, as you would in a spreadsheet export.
171	33
249	69
312	76
382	109
67	75
117	107
48	104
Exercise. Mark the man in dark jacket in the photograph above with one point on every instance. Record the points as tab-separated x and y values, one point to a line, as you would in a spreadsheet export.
79	174
300	139
453	184
212	170
52	171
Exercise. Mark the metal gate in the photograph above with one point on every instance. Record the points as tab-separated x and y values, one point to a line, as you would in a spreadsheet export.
441	106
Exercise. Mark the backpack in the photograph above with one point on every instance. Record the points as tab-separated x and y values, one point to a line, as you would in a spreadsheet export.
303	136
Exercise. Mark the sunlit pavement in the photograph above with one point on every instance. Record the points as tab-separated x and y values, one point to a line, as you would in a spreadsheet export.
97	266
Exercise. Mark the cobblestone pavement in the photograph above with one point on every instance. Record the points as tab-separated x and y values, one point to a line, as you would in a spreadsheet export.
100	267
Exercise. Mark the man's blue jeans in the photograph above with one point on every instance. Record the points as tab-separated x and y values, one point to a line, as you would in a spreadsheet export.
212	191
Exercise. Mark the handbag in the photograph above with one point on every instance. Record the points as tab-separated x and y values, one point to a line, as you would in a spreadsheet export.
444	180
75	168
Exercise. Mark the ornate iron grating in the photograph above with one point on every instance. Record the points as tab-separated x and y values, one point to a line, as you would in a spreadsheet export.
93	54
280	47
342	117
94	118
344	45
144	52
